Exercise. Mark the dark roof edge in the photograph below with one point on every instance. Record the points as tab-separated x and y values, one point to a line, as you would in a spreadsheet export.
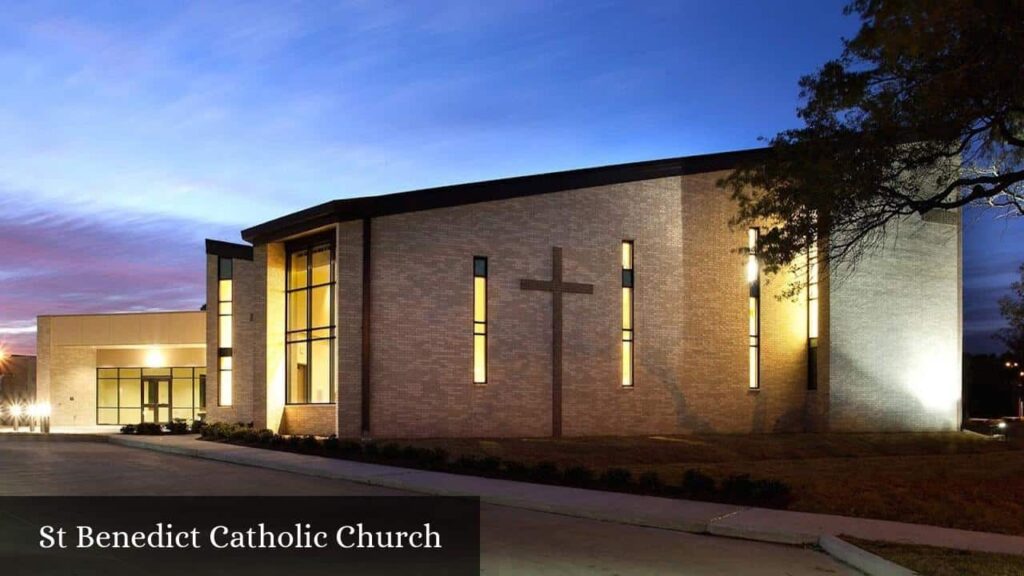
503	189
228	249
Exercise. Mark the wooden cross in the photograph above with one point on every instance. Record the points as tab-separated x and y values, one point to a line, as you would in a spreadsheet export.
557	287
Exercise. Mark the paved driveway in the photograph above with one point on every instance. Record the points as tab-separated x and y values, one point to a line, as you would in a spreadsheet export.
514	541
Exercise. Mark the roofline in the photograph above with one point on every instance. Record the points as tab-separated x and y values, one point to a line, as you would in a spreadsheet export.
490	190
228	249
122	313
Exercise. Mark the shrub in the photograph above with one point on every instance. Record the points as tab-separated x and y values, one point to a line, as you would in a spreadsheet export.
149	429
128	429
179	426
772	493
578	476
239	434
434	459
738	488
369	450
651	483
390	451
197	426
467	463
616	478
544	472
490	465
697	484
350	448
516	470
294	443
311	443
331	444
277	442
264	436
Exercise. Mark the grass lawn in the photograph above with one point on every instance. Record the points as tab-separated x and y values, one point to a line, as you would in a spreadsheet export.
930	561
951	479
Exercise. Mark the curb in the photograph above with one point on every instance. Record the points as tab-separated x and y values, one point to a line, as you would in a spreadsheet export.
861	559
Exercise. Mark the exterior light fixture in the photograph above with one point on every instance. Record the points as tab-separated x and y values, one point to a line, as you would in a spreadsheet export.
1001	425
16	410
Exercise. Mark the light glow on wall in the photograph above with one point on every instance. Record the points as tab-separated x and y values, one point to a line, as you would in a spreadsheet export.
155	358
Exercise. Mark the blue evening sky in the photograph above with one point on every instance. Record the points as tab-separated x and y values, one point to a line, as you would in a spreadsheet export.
130	132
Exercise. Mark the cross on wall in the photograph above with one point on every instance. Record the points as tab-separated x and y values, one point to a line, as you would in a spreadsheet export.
557	286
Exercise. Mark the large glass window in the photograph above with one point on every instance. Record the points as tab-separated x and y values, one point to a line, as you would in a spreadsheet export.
754	310
134	395
479	319
225	298
309	327
628	281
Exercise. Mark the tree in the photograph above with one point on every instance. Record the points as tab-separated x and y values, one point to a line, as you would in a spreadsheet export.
924	110
1012	309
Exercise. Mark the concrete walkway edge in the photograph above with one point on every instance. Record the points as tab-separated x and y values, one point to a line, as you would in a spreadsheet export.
760	524
861	559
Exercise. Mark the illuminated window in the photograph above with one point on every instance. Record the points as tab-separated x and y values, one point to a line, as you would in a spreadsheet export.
225	288
134	395
754	310
309	327
479	320
812	317
628	280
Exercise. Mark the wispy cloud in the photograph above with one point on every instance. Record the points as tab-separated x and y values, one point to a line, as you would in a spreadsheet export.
55	262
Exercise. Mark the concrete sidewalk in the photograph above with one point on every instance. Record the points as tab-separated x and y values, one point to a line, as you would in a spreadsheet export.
685	515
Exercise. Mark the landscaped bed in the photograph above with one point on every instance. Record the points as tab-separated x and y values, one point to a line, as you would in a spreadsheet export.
931	561
947	479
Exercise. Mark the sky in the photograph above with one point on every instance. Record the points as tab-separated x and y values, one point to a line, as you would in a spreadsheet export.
131	132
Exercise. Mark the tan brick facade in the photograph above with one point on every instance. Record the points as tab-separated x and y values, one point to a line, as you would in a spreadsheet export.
691	367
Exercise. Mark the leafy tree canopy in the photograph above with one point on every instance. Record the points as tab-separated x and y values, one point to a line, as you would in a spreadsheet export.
924	110
1012	308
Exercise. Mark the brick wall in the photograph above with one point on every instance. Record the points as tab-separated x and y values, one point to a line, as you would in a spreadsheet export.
895	334
690	308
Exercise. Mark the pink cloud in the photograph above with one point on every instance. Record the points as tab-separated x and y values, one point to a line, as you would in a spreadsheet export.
56	263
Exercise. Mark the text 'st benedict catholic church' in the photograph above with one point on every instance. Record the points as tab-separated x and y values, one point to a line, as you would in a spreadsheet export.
605	301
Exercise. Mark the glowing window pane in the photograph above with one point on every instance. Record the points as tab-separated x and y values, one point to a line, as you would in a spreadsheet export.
627	308
224	290
225	331
107	394
321	266
224	308
130	393
627	255
753	316
321	303
752	239
753	367
297	270
812	321
479	359
320	371
480	299
225	387
297	319
627	363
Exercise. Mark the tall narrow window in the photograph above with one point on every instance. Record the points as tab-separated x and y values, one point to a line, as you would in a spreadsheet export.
812	317
225	279
309	326
754	310
628	280
479	320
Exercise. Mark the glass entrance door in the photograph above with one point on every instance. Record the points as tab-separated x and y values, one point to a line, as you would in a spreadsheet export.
156	400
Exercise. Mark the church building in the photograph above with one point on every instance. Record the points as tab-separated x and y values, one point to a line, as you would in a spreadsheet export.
605	301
